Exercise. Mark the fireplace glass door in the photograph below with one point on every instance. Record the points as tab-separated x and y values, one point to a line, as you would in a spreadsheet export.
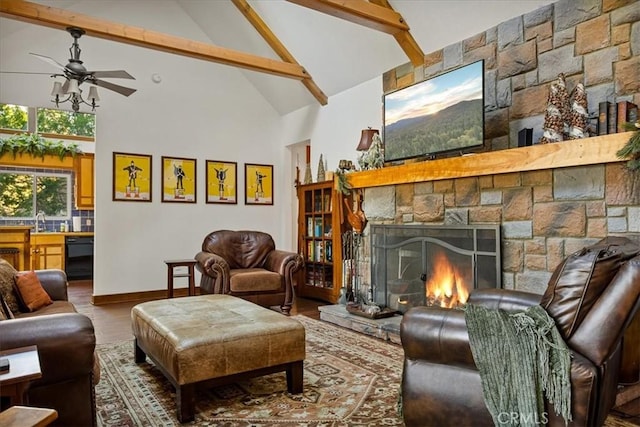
432	265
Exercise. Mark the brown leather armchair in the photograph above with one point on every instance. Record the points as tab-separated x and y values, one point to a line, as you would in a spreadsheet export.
592	296
247	264
66	342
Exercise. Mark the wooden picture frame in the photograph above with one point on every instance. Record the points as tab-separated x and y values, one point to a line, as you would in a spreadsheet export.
222	182
131	175
258	184
179	180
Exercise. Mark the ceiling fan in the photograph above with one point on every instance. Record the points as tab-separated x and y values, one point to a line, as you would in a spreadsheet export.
75	73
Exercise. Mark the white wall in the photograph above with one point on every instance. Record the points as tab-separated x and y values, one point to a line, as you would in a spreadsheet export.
200	110
334	130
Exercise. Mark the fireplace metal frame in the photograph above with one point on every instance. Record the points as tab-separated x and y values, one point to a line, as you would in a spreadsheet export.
420	234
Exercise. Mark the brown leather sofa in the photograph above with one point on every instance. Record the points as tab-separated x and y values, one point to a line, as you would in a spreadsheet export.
247	264
66	342
592	296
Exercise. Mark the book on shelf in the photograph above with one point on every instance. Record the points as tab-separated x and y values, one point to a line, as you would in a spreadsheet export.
317	227
310	250
327	202
627	113
603	117
309	227
612	122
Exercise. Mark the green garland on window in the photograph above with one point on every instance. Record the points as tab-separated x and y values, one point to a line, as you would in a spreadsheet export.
34	145
631	149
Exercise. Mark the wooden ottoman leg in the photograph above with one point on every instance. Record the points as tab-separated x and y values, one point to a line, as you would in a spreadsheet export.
140	356
186	402
295	377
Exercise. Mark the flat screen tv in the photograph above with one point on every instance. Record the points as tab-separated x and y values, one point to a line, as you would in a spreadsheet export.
442	114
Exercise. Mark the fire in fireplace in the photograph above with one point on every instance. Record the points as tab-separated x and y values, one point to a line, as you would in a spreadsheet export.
432	265
446	287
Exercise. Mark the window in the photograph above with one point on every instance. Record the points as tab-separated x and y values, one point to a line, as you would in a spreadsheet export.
25	194
66	123
14	117
48	122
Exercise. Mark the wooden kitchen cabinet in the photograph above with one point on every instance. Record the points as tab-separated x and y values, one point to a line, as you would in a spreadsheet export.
47	251
84	167
17	237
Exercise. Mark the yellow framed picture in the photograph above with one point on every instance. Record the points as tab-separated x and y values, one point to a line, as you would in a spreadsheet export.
258	184
178	180
222	178
131	177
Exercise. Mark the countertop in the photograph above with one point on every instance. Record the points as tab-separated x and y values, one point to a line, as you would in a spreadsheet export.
67	233
46	233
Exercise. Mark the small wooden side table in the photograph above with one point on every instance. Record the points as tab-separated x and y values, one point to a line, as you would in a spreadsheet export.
172	264
24	366
25	416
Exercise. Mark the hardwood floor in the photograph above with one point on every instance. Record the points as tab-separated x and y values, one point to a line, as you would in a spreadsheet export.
112	321
112	324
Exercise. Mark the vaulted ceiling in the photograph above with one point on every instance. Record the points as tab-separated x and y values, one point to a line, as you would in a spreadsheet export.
296	52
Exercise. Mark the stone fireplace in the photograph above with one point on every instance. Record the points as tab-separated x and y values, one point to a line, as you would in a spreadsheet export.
548	201
413	265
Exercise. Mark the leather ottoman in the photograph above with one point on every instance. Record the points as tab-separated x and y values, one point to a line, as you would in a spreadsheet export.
216	339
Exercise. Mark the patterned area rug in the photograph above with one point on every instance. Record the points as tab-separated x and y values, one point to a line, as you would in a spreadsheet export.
349	380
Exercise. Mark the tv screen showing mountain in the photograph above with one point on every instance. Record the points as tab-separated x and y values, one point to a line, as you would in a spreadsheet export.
441	114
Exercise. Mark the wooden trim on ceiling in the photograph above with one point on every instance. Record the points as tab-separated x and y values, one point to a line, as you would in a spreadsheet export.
278	47
61	19
359	12
375	14
406	41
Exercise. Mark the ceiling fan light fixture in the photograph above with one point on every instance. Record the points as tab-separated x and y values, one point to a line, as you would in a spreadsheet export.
74	87
57	89
93	94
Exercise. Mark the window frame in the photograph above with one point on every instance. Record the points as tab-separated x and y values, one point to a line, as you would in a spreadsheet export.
34	175
32	126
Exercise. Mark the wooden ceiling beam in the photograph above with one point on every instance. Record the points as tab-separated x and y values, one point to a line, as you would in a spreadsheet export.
61	19
360	12
278	47
375	14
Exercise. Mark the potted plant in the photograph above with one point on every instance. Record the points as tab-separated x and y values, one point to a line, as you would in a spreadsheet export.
631	149
32	144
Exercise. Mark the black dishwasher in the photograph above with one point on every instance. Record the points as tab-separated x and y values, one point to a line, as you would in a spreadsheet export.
79	257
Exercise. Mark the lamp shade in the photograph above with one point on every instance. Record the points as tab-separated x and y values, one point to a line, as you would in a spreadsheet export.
57	89
93	94
73	87
366	138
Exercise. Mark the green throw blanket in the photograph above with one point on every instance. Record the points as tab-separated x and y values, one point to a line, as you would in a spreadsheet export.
521	358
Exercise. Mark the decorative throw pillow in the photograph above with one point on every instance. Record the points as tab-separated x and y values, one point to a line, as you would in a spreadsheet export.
7	281
31	291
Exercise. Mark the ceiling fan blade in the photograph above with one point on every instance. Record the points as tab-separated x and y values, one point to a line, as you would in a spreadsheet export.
23	72
126	91
116	74
50	61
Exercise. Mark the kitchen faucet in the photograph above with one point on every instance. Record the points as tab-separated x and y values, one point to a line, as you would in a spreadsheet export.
40	216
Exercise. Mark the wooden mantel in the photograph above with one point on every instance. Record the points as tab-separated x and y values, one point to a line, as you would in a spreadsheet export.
580	152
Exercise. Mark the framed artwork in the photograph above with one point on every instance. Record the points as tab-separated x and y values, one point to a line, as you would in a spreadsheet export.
131	177
258	184
222	178
178	180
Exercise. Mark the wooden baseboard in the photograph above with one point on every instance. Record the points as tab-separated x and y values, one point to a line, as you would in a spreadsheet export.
139	296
